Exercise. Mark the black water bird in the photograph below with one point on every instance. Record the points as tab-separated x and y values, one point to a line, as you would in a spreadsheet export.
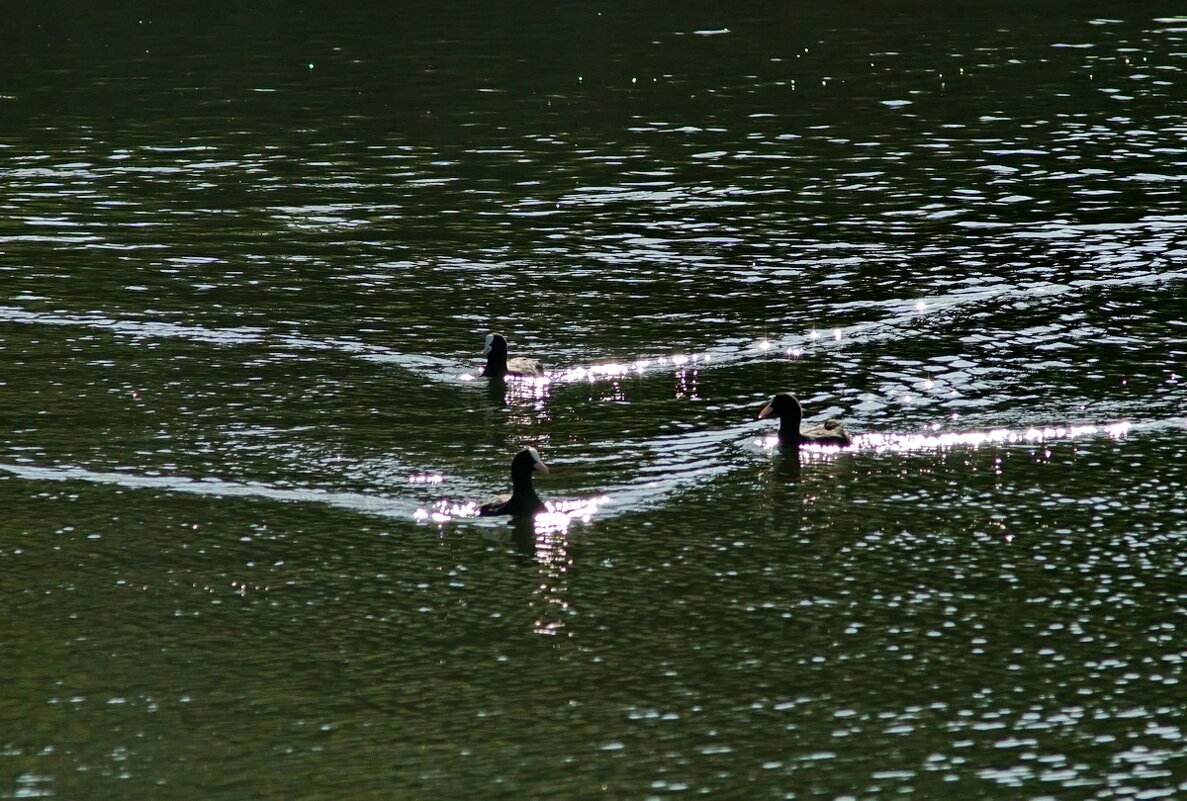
788	410
523	500
498	365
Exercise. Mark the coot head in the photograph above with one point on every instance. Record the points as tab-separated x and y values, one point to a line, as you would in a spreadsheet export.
526	462
495	343
782	406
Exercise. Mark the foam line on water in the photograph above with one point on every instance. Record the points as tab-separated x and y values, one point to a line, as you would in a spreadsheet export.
431	366
354	501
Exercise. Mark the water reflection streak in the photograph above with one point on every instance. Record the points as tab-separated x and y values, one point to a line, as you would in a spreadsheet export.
902	443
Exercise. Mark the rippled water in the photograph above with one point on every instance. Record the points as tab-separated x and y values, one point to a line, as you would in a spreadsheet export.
249	260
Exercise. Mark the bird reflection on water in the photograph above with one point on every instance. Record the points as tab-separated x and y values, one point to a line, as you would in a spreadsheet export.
525	397
543	539
688	384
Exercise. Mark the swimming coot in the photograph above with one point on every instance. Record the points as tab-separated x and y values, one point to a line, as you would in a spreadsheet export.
788	410
523	500
498	365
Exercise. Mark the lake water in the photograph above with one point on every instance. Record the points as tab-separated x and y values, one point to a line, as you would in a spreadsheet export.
249	255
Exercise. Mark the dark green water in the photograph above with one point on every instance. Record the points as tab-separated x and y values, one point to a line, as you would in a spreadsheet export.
248	258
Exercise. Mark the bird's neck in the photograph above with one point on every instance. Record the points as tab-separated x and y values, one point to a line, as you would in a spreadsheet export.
522	485
789	427
496	364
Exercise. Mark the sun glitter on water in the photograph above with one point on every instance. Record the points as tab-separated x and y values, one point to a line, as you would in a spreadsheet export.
557	516
903	443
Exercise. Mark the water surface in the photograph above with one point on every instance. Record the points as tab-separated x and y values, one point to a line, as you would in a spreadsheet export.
249	258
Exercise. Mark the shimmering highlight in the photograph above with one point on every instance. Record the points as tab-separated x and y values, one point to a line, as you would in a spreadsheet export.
613	370
901	443
557	516
427	478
